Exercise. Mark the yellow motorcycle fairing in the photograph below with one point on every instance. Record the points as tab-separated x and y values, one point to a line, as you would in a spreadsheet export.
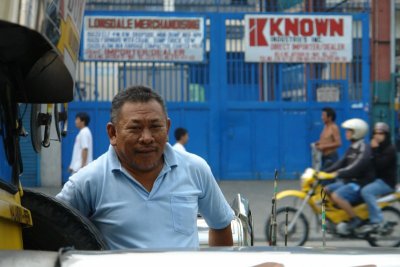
297	194
334	214
291	193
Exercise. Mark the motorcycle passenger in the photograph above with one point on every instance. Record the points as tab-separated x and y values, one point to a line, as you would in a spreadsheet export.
385	162
353	171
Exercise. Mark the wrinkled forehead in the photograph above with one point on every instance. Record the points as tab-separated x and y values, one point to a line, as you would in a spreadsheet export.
149	110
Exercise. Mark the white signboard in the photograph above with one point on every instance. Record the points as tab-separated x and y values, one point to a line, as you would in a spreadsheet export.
328	94
128	38
298	38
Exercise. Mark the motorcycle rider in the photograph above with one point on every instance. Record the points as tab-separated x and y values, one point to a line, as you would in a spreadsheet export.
353	171
385	162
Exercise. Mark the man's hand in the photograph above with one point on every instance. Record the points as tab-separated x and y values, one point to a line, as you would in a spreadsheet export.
318	146
374	143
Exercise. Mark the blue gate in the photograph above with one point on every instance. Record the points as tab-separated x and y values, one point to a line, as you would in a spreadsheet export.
245	119
273	111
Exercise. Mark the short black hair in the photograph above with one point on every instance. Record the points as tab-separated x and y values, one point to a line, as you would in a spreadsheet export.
330	113
83	116
135	94
179	133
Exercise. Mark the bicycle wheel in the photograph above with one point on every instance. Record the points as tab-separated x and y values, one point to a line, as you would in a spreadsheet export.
389	234
297	236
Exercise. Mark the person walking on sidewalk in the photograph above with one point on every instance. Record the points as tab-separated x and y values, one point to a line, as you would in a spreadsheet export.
329	140
181	137
82	153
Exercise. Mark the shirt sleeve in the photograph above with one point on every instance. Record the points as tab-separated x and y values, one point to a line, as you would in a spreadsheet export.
72	194
358	165
86	139
212	204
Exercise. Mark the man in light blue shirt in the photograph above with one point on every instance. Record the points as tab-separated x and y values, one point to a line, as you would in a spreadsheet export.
142	193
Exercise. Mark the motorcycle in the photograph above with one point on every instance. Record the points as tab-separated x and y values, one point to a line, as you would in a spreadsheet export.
293	225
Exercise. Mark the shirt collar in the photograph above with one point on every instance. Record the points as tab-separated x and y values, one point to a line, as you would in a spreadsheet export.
169	158
113	160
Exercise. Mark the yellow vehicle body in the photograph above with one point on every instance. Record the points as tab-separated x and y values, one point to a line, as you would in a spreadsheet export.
12	218
333	213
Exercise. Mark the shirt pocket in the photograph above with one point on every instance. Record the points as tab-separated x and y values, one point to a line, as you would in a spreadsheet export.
184	213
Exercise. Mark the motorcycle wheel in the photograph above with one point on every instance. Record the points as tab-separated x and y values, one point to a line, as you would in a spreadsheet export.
390	237
297	236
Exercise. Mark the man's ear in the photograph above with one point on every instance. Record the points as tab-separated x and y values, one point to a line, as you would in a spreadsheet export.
168	124
112	134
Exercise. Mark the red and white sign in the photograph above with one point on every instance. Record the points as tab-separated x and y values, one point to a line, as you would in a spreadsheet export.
298	38
127	38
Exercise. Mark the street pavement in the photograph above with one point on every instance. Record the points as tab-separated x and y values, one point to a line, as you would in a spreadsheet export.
259	193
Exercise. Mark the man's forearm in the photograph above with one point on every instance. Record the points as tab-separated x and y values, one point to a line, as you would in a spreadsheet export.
220	237
330	145
84	157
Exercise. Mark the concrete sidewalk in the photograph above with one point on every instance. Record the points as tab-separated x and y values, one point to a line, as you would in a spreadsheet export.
259	194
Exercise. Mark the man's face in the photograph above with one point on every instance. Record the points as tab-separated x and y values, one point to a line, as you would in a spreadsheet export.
139	135
349	134
79	123
324	117
185	138
379	136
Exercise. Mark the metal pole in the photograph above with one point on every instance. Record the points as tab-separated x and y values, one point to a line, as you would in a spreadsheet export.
323	218
393	60
273	213
286	225
393	36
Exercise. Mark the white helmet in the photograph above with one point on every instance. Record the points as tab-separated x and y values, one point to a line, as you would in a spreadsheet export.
358	126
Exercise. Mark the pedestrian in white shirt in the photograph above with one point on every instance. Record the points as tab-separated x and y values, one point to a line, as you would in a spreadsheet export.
82	152
182	137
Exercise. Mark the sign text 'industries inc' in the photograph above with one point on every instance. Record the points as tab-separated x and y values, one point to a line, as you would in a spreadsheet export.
298	38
